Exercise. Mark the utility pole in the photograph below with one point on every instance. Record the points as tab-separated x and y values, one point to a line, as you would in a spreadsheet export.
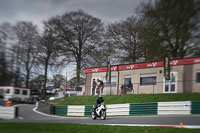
108	73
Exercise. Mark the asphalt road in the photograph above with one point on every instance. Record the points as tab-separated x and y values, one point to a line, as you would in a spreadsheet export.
26	114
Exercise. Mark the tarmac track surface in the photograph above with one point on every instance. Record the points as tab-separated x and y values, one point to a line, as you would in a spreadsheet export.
26	114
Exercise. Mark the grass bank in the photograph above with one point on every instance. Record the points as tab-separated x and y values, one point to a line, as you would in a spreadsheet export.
120	99
79	128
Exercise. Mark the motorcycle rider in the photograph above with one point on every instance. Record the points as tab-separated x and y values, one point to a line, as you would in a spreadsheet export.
98	102
99	109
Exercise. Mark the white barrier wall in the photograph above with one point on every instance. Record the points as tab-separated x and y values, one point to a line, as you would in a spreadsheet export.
117	109
76	110
112	110
7	112
174	108
160	108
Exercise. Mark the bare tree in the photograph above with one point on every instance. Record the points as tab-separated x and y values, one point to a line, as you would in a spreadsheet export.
101	56
124	36
27	47
48	51
58	81
3	63
80	34
37	82
172	25
6	59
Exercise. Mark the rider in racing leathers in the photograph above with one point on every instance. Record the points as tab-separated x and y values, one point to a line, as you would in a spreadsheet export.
98	101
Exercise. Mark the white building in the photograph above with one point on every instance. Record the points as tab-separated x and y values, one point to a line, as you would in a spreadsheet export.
148	77
15	92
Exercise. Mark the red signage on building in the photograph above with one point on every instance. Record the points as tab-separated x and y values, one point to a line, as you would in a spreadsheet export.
141	65
155	64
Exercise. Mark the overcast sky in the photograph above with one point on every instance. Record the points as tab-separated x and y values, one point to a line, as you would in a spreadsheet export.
40	10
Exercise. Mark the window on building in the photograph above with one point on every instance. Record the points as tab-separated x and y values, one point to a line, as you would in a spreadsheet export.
17	91
24	92
148	79
113	81
198	76
8	91
170	86
127	78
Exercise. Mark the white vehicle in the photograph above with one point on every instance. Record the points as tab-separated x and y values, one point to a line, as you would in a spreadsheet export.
15	93
99	112
52	98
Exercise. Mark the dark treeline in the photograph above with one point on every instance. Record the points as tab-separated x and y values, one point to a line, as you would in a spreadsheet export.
158	28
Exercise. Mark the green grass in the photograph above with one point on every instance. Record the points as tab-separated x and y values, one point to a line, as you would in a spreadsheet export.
120	99
79	128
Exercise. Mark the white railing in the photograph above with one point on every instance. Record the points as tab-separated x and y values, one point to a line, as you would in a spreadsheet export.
76	110
117	109
174	108
7	112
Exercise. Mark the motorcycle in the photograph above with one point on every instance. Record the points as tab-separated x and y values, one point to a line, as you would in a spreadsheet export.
100	112
125	90
129	91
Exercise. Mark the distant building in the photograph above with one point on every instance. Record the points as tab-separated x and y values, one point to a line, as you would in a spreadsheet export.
148	77
11	92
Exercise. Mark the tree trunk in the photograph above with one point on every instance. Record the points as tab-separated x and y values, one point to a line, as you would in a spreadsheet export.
78	71
3	70
27	79
45	77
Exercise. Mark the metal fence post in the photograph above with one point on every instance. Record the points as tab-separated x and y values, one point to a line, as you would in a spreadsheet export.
153	88
110	88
